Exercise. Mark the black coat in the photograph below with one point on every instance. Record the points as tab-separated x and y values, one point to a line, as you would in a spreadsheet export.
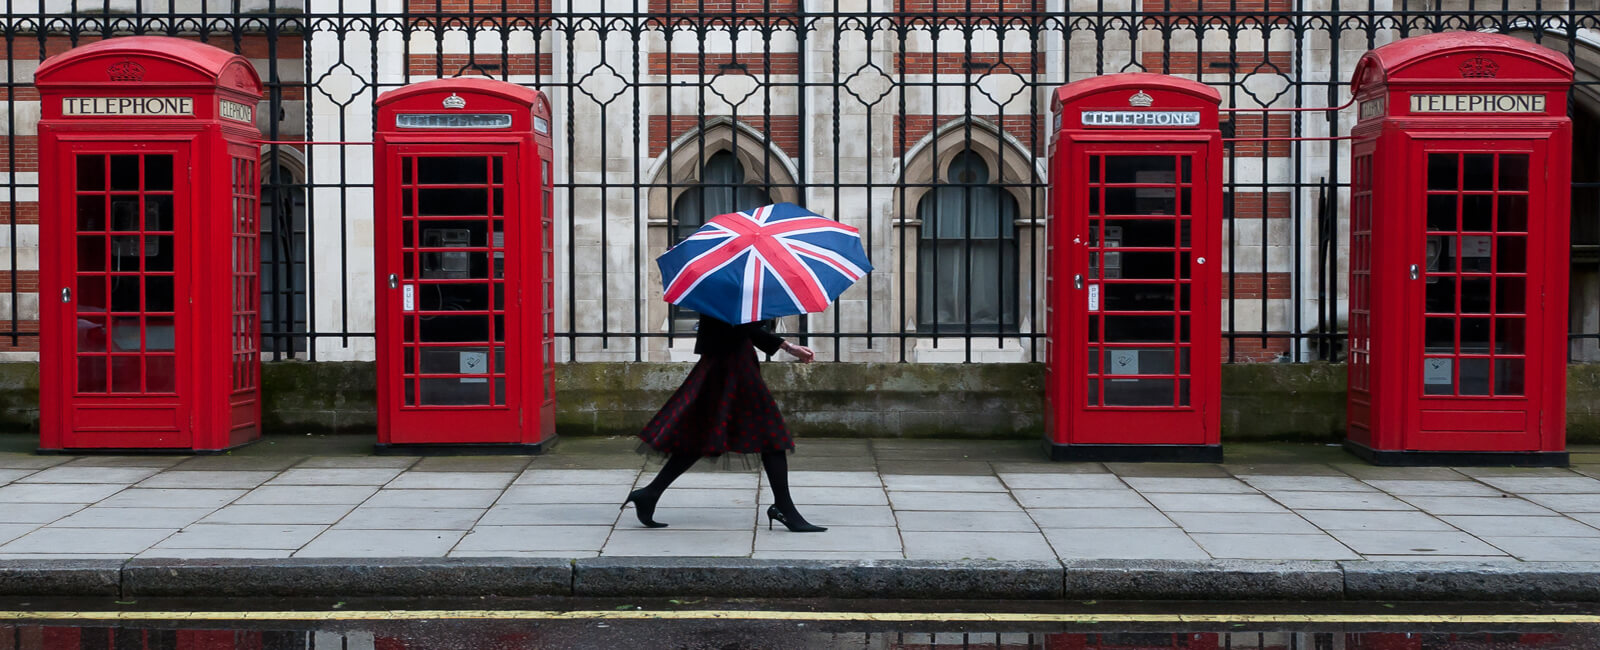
713	336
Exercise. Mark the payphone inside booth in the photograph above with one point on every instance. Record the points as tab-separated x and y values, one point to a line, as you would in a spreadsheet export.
1132	329
1460	184
149	197
464	245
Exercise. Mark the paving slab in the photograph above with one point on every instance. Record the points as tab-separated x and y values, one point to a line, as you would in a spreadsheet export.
534	538
234	463
1256	546
1411	488
1150	484
936	483
1557	502
9	532
543	493
1374	520
36	513
1145	517
364	543
1390	542
1188	502
1123	543
57	492
708	518
867	539
830	496
541	476
991	501
1548	549
684	543
57	541
208	479
711	480
308	495
124	461
1264	523
111	517
1339	501
1123	498
834	479
287	537
391	498
1276	483
357	462
493	464
1478	506
441	480
171	498
1487	526
30	461
1037	481
1571	484
378	518
550	514
303	475
9	475
1168	470
957	521
278	514
976	546
84	474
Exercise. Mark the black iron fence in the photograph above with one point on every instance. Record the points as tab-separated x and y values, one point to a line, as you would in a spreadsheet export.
671	110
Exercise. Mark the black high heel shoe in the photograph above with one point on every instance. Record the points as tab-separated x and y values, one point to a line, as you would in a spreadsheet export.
645	505
798	525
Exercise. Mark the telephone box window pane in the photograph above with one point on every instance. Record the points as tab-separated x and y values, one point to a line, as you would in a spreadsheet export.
91	213
453	297
92	334
1438	376
464	391
1509	298
161	374
1440	335
1514	171
92	253
500	390
1139	297
158	253
91	173
1474	378
454	234
126	374
1477	213
1442	171
1475	335
499	207
1142	233
1441	295
91	374
125	293
1442	212
125	213
1141	169
452	201
1475	295
1441	254
158	172
1183	392
452	170
1139	392
1513	215
1094	169
126	335
1508	378
1188	165
91	295
449	329
1510	335
1512	256
1479	174
158	293
500	168
1139	329
411	392
124	173
1094	392
1141	200
157	213
1094	360
1148	266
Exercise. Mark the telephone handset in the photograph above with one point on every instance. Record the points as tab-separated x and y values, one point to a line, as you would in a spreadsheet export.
446	265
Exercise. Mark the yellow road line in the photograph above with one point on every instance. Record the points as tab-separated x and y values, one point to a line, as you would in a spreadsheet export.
736	615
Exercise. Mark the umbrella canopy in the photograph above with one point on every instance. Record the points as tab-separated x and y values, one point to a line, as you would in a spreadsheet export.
776	260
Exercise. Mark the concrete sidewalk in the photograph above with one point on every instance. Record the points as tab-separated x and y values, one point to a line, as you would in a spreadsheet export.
933	506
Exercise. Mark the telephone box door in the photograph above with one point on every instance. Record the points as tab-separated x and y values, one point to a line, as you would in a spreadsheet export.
1474	311
455	307
123	308
1140	270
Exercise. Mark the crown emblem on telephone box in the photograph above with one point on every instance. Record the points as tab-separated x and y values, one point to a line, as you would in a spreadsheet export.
125	71
454	101
1479	68
1140	99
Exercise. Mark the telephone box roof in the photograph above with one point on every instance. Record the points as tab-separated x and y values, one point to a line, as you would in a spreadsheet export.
503	89
209	61
1384	63
1135	81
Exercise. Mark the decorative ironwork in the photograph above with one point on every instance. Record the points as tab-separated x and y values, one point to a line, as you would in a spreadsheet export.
852	113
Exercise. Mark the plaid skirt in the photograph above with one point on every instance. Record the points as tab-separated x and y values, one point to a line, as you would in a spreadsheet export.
723	407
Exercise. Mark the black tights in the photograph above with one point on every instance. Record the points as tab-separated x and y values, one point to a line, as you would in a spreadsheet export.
776	463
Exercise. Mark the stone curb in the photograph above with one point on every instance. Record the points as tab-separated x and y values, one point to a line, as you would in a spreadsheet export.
746	578
314	577
435	579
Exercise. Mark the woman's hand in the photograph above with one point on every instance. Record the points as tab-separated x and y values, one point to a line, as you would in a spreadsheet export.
801	352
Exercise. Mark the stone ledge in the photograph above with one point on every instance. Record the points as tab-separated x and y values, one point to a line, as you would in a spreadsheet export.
747	578
60	577
1487	580
418	578
1204	580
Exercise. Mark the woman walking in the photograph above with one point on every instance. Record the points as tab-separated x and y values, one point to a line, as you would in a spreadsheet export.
724	408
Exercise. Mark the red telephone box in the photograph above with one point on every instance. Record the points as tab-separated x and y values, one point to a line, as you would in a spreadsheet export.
465	251
1460	186
1132	323
148	162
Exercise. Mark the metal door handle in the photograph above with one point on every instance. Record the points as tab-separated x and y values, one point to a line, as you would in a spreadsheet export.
1414	271
66	295
394	281
1077	281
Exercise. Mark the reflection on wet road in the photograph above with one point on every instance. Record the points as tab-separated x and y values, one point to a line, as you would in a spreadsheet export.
1140	626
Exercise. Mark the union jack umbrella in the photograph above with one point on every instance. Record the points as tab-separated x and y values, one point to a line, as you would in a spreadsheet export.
776	260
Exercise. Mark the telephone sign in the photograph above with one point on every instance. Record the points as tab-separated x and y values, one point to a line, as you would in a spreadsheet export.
149	183
464	254
1132	328
1460	185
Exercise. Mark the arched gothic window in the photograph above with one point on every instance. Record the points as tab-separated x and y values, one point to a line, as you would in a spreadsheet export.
967	254
283	262
722	189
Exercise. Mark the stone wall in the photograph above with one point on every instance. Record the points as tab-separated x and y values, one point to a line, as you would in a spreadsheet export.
1269	401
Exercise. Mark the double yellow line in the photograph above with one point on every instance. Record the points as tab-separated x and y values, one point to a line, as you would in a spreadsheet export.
846	617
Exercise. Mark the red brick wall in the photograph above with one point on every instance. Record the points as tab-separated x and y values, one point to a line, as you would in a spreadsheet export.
27	282
26	153
755	63
1246	284
1258	125
962	63
26	212
974	6
479	6
724	6
24	343
1021	127
252	46
784	130
519	64
1248	205
1188	63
